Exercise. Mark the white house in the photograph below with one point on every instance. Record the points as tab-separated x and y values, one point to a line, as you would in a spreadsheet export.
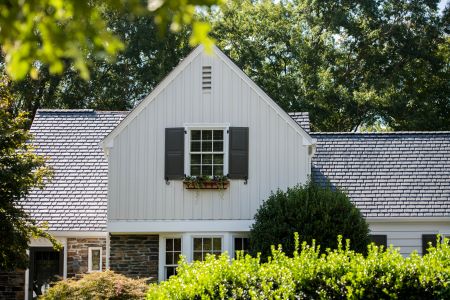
120	199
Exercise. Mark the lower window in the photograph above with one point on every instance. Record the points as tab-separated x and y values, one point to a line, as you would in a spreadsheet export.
95	259
206	245
173	252
241	244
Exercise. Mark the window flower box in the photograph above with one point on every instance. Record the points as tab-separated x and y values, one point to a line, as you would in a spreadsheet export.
206	183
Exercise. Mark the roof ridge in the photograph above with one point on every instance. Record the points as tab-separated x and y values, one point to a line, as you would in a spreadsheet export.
57	110
382	133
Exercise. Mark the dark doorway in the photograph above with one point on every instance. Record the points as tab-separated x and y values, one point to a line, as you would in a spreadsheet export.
46	266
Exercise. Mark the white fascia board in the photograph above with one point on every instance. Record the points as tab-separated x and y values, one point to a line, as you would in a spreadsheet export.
307	139
406	219
107	141
73	234
168	226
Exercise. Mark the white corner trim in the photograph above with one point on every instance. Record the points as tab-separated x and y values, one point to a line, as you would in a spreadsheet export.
406	219
75	234
156	91
170	226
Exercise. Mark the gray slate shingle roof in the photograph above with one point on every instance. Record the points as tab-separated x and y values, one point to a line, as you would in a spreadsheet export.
302	119
388	174
76	198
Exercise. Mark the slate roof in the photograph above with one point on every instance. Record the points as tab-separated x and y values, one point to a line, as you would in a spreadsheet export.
401	174
76	198
302	119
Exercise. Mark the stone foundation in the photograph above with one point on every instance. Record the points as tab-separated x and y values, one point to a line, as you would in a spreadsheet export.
77	254
12	285
135	255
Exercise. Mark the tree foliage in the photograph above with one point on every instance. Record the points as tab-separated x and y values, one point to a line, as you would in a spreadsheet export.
50	32
315	213
348	63
118	85
20	170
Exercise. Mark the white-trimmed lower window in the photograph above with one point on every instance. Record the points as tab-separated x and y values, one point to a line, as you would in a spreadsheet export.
95	259
202	246
241	244
172	255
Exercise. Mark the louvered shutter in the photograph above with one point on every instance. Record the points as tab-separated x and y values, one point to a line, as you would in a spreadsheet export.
174	156
238	153
379	239
426	240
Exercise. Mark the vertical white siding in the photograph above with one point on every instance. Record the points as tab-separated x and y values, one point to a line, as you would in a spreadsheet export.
408	235
277	156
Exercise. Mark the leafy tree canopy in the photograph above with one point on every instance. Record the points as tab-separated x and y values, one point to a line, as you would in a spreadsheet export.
315	213
348	63
50	32
20	170
118	85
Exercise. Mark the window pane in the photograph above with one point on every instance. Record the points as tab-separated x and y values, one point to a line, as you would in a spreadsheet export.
246	244
207	244
206	146
206	170
207	159
218	171
218	146
170	271
177	244
237	244
195	135
176	257
207	135
218	159
198	256
169	244
196	159
95	260
197	244
218	134
195	171
195	147
169	258
217	244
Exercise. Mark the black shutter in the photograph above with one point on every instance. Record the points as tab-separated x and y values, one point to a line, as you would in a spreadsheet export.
174	158
238	153
426	240
379	239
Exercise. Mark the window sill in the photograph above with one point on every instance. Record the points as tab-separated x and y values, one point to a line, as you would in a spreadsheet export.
206	185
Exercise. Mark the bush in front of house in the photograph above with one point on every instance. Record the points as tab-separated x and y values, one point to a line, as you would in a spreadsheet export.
311	274
105	285
315	212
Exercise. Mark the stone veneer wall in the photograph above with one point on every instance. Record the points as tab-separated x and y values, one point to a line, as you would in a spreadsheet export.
135	255
77	254
12	285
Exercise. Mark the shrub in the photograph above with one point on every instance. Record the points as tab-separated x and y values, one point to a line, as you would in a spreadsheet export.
99	285
310	274
316	213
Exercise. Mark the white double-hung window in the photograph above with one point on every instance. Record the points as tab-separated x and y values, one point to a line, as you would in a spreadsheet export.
206	151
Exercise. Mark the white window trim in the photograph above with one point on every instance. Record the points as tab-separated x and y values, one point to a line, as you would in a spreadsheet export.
90	259
205	126
162	252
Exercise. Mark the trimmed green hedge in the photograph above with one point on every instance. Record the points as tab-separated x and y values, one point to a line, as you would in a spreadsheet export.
105	285
309	274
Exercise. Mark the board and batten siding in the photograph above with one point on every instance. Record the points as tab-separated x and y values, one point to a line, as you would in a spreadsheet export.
278	157
408	235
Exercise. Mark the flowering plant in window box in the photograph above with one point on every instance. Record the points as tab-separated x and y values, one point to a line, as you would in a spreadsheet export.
206	182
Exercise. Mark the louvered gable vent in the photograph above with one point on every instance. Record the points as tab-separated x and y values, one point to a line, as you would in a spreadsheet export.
206	78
